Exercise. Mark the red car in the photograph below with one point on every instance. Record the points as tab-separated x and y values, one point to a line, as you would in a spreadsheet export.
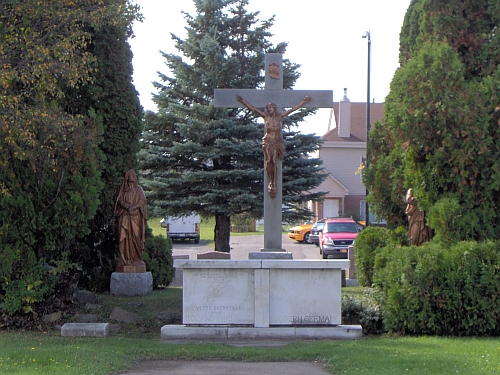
336	237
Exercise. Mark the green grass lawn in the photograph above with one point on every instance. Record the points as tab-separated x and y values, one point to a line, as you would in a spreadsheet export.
29	353
47	353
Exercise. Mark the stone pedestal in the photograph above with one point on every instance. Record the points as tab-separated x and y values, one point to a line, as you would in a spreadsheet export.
131	284
262	299
262	293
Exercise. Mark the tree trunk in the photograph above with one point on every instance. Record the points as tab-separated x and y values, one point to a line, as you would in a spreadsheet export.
221	232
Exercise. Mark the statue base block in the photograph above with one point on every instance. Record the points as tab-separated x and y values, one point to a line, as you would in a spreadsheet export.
131	269
131	284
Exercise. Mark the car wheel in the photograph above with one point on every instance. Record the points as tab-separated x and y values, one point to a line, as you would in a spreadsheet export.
306	237
325	256
316	243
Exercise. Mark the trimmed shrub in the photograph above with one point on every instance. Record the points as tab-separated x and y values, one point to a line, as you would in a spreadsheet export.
363	311
436	291
25	281
367	242
444	218
351	309
157	255
372	320
399	236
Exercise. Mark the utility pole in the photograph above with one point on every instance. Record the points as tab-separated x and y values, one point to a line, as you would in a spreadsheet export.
367	35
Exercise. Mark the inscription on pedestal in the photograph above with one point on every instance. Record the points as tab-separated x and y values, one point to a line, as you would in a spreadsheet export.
315	300
298	319
218	296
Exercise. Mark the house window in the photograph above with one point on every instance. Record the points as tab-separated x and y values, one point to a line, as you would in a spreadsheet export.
373	219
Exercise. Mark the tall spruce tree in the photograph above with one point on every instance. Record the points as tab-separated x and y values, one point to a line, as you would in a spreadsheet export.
440	130
197	158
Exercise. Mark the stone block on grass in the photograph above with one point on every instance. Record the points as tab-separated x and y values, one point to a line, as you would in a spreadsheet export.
85	329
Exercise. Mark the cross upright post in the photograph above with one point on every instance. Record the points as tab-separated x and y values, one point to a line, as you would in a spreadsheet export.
254	99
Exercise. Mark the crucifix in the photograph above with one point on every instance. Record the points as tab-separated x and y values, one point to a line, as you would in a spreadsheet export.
273	98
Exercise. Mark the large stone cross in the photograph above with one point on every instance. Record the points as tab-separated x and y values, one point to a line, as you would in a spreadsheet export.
273	93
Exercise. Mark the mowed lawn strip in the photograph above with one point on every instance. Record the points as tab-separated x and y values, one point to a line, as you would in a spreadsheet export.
48	353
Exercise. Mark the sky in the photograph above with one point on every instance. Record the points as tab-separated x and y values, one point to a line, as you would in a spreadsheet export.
324	36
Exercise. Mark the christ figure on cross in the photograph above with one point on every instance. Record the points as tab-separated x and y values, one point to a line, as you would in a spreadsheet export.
272	143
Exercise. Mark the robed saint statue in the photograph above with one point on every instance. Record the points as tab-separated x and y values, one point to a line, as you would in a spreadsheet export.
130	210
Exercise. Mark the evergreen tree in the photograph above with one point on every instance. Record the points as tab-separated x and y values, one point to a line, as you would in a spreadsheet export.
114	99
440	130
198	158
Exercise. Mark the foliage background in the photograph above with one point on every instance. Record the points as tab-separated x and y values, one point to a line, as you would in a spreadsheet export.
70	121
440	131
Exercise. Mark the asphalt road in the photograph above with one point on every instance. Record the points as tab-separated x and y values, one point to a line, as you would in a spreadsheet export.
242	245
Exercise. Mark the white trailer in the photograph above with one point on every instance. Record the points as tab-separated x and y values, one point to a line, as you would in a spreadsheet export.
182	228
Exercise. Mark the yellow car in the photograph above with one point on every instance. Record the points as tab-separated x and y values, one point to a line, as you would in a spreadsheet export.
301	233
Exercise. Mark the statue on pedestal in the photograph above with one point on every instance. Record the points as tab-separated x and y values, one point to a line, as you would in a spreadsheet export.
130	209
418	230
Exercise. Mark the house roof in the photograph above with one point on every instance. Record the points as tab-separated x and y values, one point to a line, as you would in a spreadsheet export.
358	122
332	185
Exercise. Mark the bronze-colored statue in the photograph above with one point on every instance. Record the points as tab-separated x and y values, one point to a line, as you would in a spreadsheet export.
272	143
418	231
130	208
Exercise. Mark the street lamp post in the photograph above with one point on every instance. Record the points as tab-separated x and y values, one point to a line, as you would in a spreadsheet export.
367	36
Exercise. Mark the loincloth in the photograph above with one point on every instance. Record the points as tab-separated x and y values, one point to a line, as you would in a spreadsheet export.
270	147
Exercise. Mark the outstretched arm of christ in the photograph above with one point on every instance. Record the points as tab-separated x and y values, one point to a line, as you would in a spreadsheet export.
297	106
250	107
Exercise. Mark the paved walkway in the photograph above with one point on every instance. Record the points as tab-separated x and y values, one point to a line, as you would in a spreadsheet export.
215	367
240	247
183	367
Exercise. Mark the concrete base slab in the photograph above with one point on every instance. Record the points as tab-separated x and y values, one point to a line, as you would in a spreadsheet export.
131	284
195	332
341	332
260	333
85	329
265	254
213	255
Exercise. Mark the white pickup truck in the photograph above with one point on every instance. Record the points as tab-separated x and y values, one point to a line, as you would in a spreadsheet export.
182	228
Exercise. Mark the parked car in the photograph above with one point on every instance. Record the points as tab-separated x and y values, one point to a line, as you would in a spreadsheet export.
314	236
182	228
336	237
301	233
316	229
